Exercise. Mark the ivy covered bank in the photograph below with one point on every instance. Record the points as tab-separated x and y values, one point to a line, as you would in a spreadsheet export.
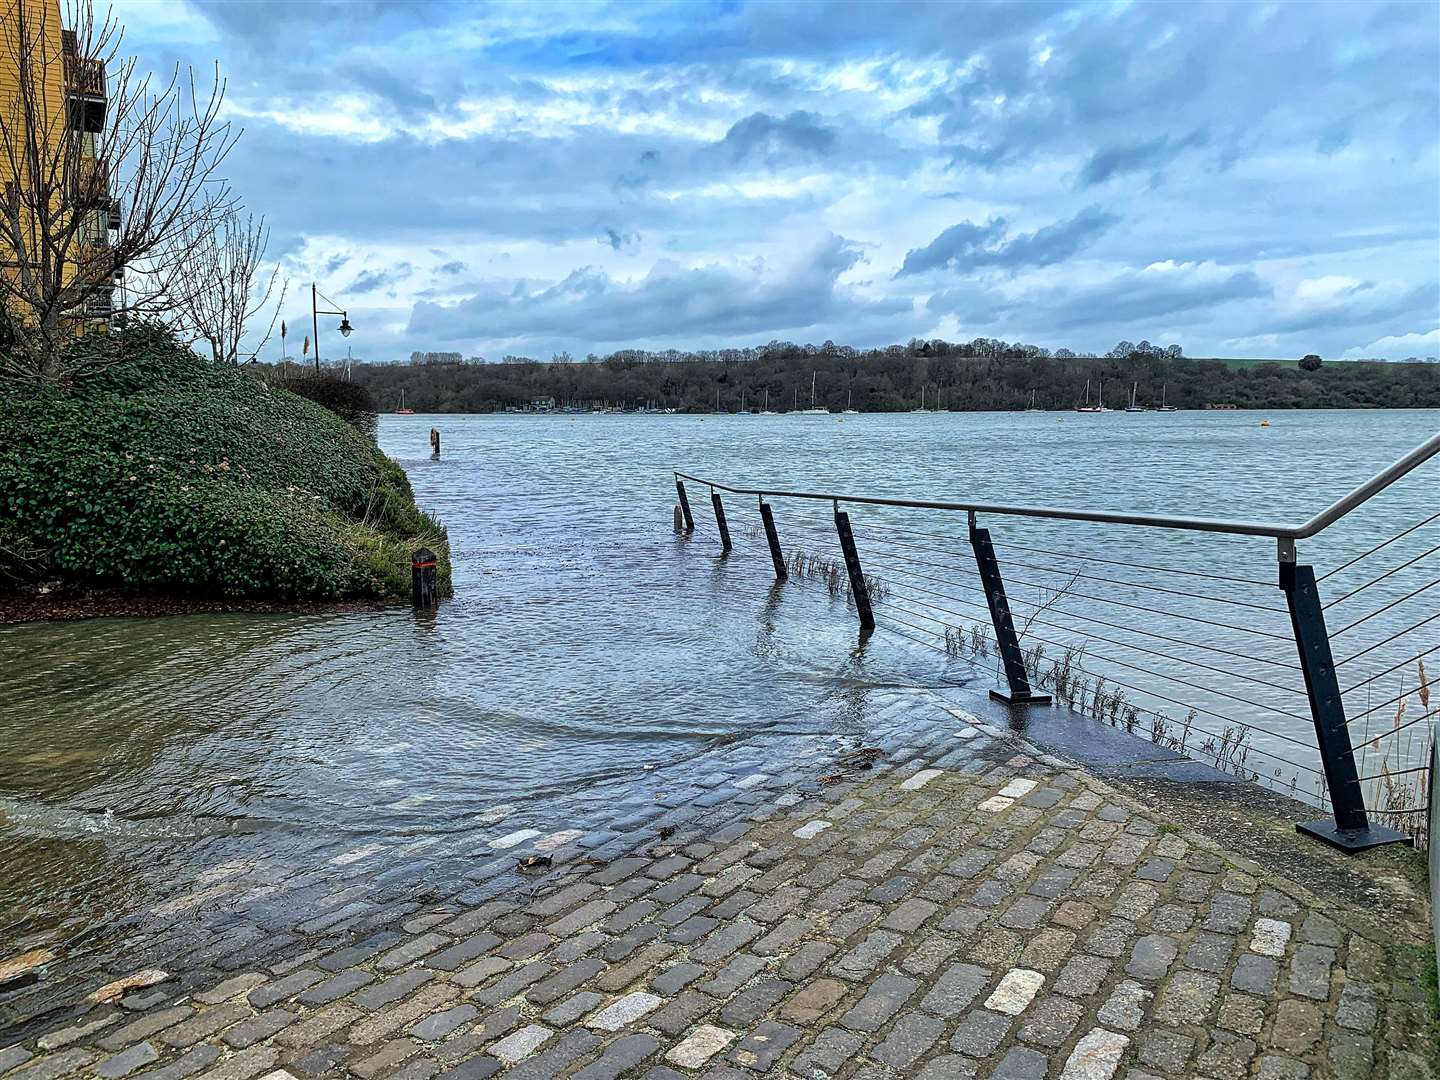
152	471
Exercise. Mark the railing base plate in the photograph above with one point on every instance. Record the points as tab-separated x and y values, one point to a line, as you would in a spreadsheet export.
1352	840
1020	699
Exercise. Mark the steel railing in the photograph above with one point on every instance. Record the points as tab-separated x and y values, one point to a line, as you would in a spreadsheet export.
1133	659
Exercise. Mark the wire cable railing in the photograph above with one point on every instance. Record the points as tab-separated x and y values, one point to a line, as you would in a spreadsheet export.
1189	649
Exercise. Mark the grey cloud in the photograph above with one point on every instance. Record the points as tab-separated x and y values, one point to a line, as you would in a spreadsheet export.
969	246
373	280
767	138
1136	157
618	240
1364	305
1134	297
589	305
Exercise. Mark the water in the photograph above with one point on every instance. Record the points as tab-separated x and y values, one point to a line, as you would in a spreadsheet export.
591	657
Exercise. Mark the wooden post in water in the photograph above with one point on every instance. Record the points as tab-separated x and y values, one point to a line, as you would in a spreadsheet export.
422	579
434	444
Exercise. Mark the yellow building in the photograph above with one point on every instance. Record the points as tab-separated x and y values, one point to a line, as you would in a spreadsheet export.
54	101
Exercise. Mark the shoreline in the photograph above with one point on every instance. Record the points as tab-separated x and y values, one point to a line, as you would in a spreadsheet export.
73	604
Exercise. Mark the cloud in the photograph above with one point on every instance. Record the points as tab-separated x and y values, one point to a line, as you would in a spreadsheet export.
968	246
1161	291
1151	154
1336	301
618	240
1423	343
741	299
374	280
773	139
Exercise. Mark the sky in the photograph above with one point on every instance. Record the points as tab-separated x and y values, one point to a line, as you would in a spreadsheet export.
1256	179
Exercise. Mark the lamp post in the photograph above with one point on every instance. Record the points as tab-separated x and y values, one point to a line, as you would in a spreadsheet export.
316	311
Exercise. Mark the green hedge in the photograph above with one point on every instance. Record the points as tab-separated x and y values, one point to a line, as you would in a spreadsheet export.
158	472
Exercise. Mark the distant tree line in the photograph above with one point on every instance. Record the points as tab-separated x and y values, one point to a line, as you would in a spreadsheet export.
984	374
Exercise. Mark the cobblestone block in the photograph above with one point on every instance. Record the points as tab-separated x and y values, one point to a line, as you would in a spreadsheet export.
127	1061
980	1033
1096	1056
699	1046
831	1051
1125	1007
1310	971
1152	956
885	997
764	1046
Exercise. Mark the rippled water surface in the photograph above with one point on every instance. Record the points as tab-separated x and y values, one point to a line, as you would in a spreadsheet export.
587	643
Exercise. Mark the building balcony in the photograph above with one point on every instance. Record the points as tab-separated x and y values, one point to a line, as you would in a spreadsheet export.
91	186
85	78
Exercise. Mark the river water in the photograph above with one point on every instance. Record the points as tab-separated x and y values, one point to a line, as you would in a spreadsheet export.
588	647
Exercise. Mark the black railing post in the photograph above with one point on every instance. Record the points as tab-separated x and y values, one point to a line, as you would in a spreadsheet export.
856	572
1010	653
1351	829
720	521
773	539
684	505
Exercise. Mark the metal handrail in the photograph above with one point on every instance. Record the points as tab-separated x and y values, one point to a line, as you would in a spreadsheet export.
1323	520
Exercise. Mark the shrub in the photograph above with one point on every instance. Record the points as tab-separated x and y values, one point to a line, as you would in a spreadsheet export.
161	472
1310	362
352	402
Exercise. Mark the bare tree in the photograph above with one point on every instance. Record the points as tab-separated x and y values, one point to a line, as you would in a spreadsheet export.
227	287
106	172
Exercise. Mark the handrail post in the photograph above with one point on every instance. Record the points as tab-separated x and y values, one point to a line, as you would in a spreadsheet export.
773	539
858	588
720	522
684	505
1350	830
1010	652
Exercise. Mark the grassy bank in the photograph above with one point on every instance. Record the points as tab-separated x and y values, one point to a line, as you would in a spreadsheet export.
162	474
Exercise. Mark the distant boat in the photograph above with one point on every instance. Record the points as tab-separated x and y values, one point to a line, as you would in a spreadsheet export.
766	410
813	411
1162	407
1031	407
402	410
1132	407
848	411
922	408
1087	407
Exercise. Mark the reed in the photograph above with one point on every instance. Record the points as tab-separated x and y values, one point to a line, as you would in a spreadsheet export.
1402	791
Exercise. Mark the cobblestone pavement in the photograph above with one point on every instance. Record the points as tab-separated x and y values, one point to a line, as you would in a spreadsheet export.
961	906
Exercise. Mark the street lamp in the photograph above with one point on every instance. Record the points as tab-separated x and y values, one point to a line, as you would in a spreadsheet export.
316	311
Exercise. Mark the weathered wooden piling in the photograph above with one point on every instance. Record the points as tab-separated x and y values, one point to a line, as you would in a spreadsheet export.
422	579
434	444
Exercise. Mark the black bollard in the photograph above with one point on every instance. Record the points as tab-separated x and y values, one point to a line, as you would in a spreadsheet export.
422	578
434	444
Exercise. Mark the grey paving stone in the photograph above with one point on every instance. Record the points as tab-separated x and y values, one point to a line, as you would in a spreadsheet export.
127	1061
1254	974
764	1046
979	1033
909	1039
831	1051
337	987
1021	1063
954	991
438	1025
884	998
186	1065
1152	956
